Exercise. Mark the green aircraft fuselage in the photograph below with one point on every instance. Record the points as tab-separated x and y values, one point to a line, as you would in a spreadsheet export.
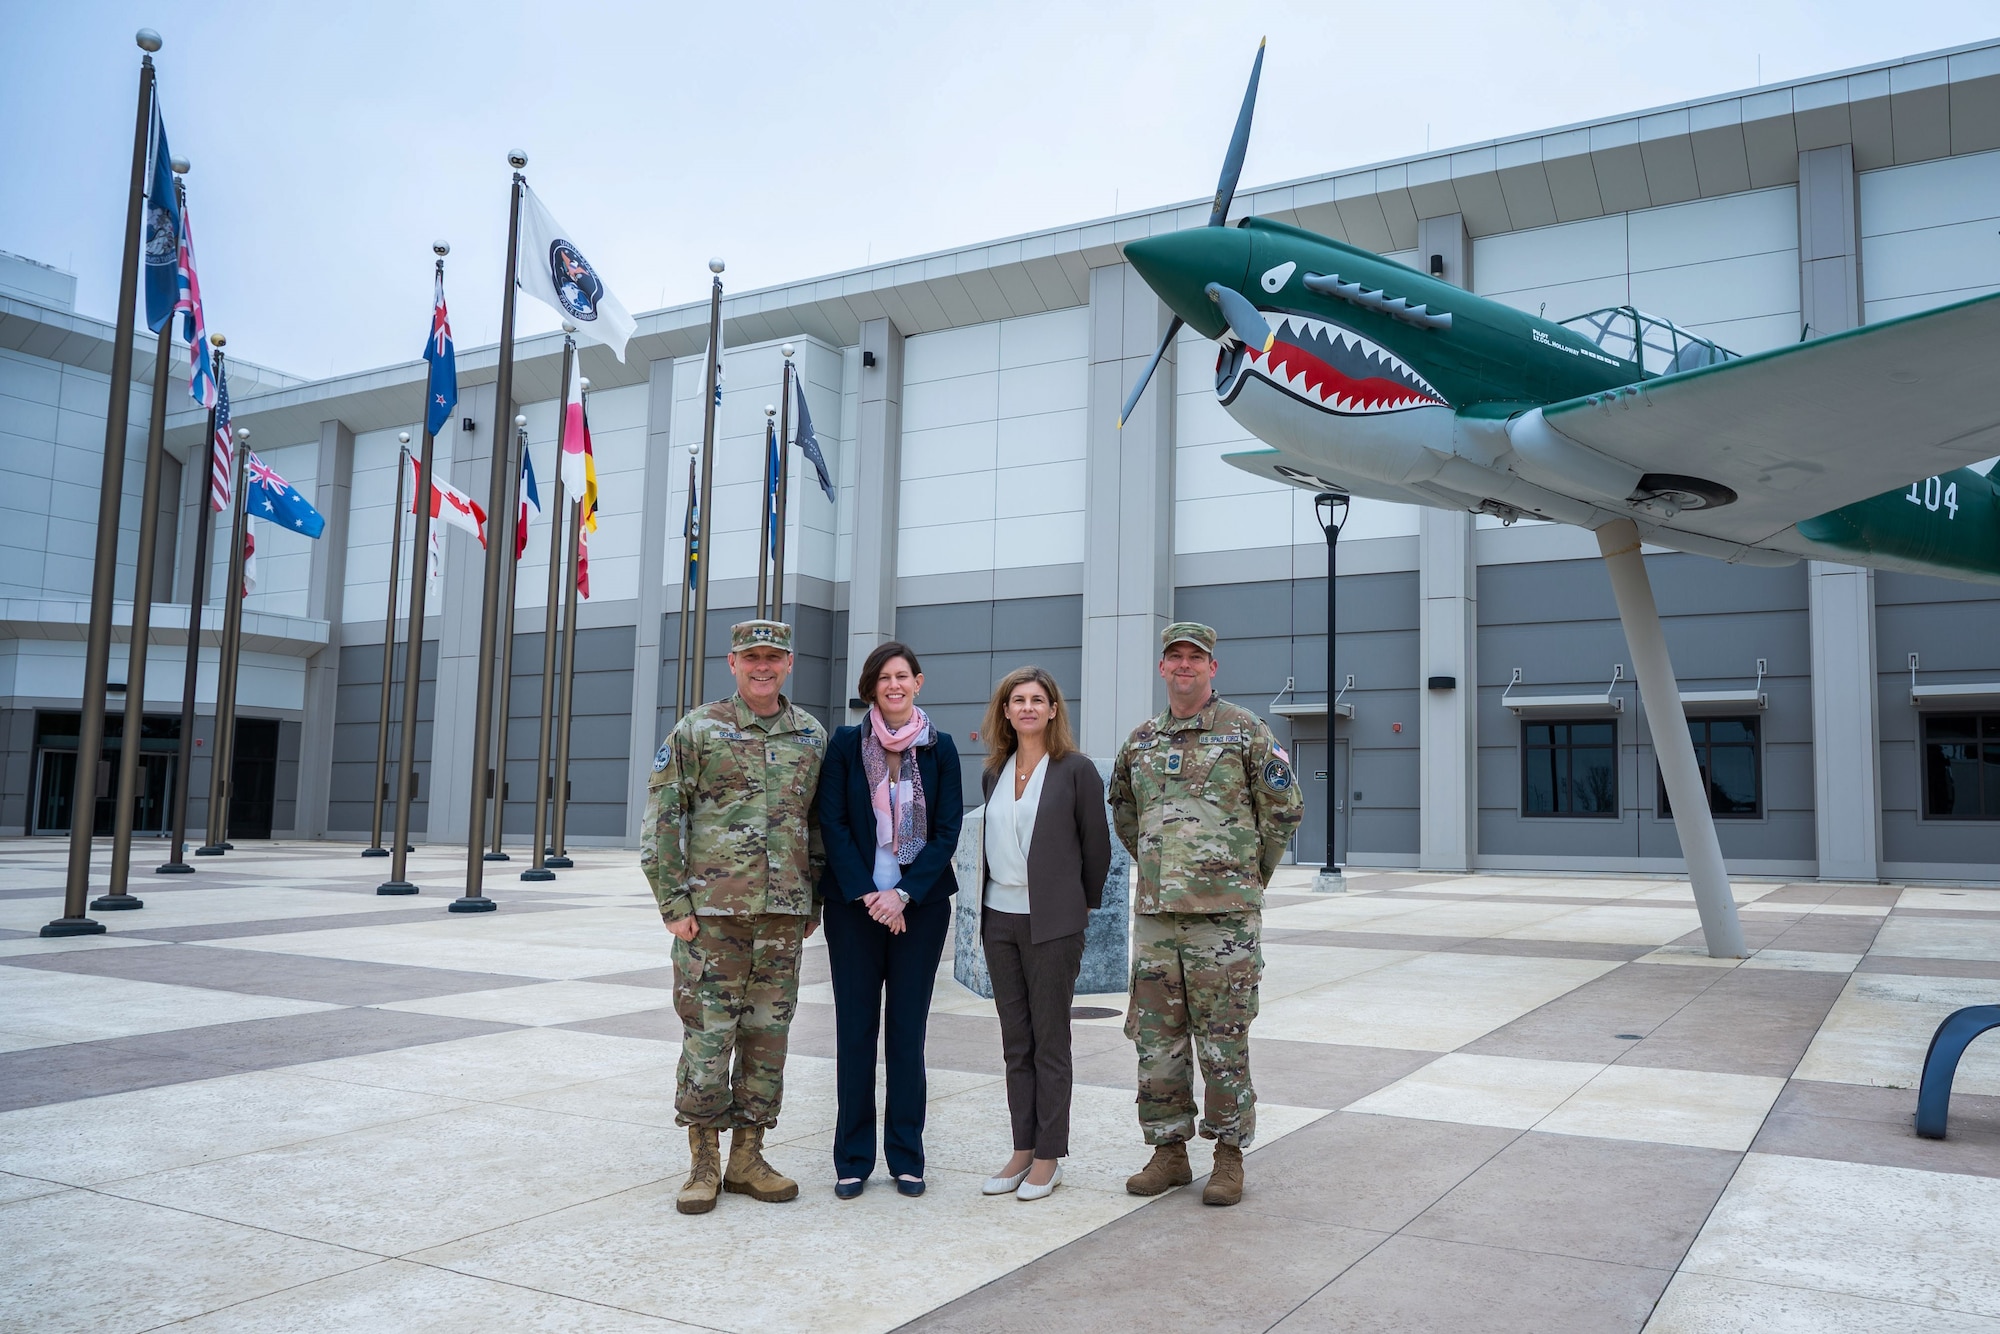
1370	364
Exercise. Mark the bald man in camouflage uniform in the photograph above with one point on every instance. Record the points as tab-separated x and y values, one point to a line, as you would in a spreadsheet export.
729	847
1205	800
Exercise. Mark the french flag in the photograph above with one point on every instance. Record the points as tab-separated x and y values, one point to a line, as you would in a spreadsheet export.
531	498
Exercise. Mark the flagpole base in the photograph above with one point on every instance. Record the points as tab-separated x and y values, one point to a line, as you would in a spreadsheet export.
497	857
211	850
375	852
115	903
537	873
472	903
395	887
559	863
73	926
173	868
1330	880
228	847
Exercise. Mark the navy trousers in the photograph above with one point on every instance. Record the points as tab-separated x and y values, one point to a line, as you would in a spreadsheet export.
875	973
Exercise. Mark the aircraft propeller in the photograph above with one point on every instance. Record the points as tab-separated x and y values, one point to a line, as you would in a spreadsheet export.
1243	318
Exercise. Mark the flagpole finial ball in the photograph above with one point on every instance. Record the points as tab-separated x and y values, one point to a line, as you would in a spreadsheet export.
786	351
242	433
568	328
521	419
583	382
217	340
148	40
770	410
179	164
694	448
403	437
715	265
440	248
517	159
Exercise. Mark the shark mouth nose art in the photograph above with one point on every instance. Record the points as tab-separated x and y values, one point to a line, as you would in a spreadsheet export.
1335	370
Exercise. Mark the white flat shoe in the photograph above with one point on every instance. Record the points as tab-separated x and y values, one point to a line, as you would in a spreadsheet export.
1028	1191
1004	1185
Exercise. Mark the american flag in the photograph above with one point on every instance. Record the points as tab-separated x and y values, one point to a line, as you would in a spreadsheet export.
219	456
201	367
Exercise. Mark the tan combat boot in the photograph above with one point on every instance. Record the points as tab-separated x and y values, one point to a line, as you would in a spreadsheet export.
750	1175
1169	1168
698	1192
1225	1180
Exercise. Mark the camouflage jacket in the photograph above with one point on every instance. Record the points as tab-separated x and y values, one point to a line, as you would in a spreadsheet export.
730	821
1205	805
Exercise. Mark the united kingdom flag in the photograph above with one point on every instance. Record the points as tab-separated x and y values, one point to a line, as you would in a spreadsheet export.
194	327
442	394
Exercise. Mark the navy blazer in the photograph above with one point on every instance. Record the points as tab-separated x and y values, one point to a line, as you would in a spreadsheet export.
847	820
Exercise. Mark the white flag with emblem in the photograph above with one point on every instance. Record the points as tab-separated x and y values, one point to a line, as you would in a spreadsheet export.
553	270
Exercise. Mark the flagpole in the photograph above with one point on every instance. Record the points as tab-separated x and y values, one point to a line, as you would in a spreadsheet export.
97	649
223	755
700	647
691	539
764	518
538	869
197	599
380	795
511	525
784	485
559	851
474	899
117	894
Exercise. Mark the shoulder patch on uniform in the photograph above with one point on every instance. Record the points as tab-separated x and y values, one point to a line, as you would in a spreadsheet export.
1277	775
663	755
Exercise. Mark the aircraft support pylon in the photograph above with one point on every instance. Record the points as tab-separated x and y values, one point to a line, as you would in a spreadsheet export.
1660	693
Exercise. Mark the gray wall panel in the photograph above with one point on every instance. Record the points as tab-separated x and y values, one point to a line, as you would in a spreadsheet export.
357	704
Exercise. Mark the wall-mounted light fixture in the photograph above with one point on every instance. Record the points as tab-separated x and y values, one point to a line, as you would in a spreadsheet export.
1437	266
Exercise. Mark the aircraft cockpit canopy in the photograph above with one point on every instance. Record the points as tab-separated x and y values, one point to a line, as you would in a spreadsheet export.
1660	346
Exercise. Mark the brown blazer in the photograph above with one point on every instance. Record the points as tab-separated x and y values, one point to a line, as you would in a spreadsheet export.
1070	853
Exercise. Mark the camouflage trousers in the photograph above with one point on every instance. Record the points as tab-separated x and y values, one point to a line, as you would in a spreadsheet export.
1194	993
736	986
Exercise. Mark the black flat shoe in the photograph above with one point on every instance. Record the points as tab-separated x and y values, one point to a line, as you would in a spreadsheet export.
910	1188
848	1190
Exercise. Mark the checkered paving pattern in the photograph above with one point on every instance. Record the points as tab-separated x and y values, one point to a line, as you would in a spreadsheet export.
271	1100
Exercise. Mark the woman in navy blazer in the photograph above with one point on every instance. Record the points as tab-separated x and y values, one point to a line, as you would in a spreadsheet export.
890	828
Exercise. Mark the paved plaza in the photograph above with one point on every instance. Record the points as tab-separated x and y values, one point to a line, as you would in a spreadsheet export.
273	1101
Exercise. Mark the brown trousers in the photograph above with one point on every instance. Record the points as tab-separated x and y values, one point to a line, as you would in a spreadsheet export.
1033	986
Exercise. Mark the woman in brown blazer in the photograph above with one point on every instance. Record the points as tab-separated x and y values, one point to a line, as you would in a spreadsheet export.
1048	849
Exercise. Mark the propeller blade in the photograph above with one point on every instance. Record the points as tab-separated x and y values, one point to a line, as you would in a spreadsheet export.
1244	320
1239	143
1146	376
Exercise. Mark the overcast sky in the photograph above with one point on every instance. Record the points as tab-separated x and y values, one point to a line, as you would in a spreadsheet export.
330	144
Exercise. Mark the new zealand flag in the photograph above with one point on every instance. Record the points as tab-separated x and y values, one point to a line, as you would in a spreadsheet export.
442	395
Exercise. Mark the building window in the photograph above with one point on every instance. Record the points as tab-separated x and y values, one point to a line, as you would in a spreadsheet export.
1725	750
1570	769
1962	766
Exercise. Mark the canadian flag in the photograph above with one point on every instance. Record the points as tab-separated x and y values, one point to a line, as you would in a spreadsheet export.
450	505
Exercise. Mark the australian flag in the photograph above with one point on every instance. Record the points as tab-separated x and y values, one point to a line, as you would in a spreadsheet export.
809	443
163	233
276	500
442	395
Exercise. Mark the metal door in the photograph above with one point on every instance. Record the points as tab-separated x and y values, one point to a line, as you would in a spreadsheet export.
1309	845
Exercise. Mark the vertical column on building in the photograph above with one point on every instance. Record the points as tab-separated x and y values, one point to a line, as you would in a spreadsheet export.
456	622
1128	501
878	442
325	601
1448	630
657	481
1840	598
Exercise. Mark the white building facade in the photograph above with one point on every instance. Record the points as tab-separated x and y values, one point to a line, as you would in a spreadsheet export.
990	513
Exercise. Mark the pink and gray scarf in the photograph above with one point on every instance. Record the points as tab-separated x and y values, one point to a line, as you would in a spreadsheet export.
901	814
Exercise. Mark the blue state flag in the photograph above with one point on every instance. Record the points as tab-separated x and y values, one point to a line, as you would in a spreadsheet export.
441	395
773	463
809	443
273	498
162	242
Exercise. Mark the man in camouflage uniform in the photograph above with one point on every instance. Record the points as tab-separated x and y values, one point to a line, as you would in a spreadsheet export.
1205	800
728	847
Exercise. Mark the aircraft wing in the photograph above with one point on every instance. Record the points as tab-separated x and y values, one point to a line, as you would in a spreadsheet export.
1805	429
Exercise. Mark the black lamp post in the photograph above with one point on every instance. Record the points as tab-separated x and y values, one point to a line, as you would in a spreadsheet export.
1330	508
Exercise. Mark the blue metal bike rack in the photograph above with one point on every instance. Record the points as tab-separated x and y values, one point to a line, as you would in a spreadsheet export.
1953	1036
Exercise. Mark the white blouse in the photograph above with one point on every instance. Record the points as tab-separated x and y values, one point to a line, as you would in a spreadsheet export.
1010	828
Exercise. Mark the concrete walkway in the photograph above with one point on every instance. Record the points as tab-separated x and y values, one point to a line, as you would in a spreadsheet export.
272	1101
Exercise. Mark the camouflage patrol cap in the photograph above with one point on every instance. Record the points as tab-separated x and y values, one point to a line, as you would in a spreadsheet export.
1189	632
751	634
